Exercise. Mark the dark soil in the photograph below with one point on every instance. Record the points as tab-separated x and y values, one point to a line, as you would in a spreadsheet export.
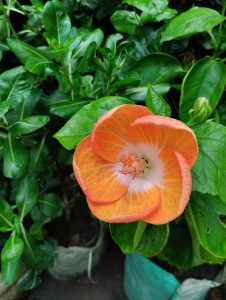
79	228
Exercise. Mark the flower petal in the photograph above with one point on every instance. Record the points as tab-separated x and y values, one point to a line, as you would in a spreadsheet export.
131	207
97	177
175	189
164	132
109	135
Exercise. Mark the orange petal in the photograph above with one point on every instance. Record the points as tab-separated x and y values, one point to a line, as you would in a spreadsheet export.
110	132
96	176
165	132
131	207
175	188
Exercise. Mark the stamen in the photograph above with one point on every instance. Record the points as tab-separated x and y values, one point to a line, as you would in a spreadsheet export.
133	164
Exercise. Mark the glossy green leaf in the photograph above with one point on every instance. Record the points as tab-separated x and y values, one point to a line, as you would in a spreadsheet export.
10	271
157	104
12	249
15	158
129	79
157	68
128	235
26	195
140	93
167	13
190	22
112	40
57	23
6	216
36	60
209	171
67	108
86	59
126	21
205	79
51	205
149	6
208	216
81	124
153	240
178	250
84	39
29	124
4	107
15	85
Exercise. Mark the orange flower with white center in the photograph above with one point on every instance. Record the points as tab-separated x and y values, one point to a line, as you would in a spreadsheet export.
136	166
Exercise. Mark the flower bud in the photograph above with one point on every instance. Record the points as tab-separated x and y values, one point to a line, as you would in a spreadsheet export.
201	111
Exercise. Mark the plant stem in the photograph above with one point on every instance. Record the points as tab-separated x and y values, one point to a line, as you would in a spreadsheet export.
2	8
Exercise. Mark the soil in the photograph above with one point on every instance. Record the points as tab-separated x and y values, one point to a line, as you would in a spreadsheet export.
79	228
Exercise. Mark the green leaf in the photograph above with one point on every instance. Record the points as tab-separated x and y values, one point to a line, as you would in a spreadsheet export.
209	171
67	108
205	79
167	13
178	250
29	124
192	21
152	7
153	240
15	85
10	271
84	38
129	79
157	68
57	23
29	280
156	103
126	21
15	158
81	124
12	249
36	60
208	216
4	107
127	235
6	216
140	93
26	195
51	205
111	42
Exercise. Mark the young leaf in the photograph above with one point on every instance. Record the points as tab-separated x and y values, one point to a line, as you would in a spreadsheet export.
157	68
81	124
15	158
26	195
57	23
140	93
126	21
192	21
12	249
205	79
10	271
112	41
208	216
15	85
209	171
156	103
29	124
6	216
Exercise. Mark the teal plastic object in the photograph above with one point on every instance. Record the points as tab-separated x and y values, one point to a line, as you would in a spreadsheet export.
144	280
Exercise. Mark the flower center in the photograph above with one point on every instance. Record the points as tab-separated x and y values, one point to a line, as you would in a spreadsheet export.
134	164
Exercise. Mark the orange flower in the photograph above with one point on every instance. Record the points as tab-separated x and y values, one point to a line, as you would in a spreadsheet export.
136	166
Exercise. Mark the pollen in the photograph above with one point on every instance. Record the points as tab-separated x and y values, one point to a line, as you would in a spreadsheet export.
133	164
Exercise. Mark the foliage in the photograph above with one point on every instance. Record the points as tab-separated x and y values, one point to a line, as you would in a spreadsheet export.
61	69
